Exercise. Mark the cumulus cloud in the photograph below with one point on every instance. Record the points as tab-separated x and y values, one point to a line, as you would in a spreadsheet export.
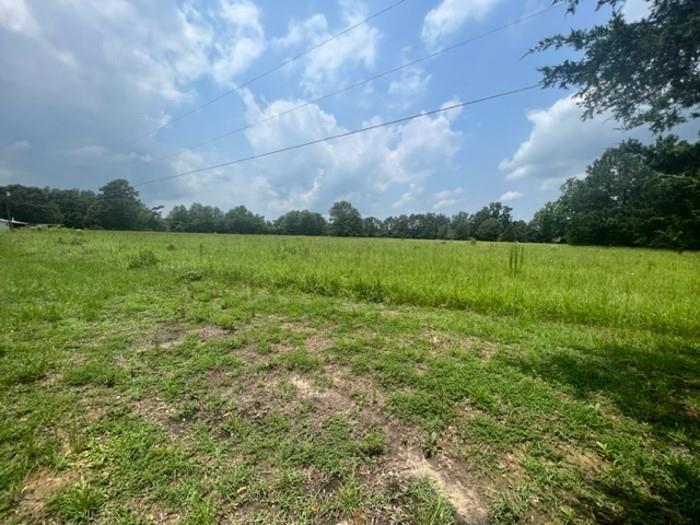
16	16
450	15
510	196
117	70
157	48
448	198
392	160
408	197
411	85
561	145
327	65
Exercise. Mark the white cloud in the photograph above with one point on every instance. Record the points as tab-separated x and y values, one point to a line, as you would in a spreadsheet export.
408	197
118	69
96	152
324	67
510	196
412	83
243	42
16	16
450	15
561	145
448	198
392	160
158	49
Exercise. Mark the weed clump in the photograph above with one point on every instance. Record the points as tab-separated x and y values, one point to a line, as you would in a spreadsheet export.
77	504
144	259
373	444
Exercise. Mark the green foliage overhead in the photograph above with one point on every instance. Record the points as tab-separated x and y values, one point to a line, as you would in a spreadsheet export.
645	72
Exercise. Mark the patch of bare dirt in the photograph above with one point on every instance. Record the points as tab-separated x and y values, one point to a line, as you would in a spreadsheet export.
298	328
317	343
313	340
445	341
212	332
335	391
39	487
402	458
155	410
590	463
157	515
328	400
465	500
167	335
165	416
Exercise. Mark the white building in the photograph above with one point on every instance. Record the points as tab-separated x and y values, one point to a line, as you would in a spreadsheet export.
5	224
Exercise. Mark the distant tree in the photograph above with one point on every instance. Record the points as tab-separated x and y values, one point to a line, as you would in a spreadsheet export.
178	219
345	220
371	227
29	204
516	231
241	220
151	219
205	219
301	222
645	72
547	225
427	226
489	230
117	207
634	195
74	205
496	211
397	227
460	226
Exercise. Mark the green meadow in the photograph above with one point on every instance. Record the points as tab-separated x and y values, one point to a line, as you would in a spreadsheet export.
202	379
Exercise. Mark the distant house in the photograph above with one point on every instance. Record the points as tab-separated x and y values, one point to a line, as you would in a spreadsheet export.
5	224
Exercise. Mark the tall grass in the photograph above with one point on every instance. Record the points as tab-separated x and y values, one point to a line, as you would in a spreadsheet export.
516	258
638	288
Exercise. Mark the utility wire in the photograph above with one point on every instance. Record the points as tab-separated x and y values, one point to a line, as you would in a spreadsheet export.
363	82
343	135
279	66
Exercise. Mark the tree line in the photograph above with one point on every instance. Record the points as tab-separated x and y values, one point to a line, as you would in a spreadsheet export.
633	195
117	206
493	222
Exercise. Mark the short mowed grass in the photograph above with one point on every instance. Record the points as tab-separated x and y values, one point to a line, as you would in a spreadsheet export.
197	379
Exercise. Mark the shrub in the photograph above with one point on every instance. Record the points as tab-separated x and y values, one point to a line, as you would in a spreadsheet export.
144	259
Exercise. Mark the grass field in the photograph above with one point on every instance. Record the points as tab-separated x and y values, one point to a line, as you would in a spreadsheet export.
165	378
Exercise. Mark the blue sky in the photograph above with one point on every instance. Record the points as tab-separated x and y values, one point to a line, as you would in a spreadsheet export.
85	81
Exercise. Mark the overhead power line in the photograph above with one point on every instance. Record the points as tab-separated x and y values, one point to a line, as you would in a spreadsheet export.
360	83
279	66
343	135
